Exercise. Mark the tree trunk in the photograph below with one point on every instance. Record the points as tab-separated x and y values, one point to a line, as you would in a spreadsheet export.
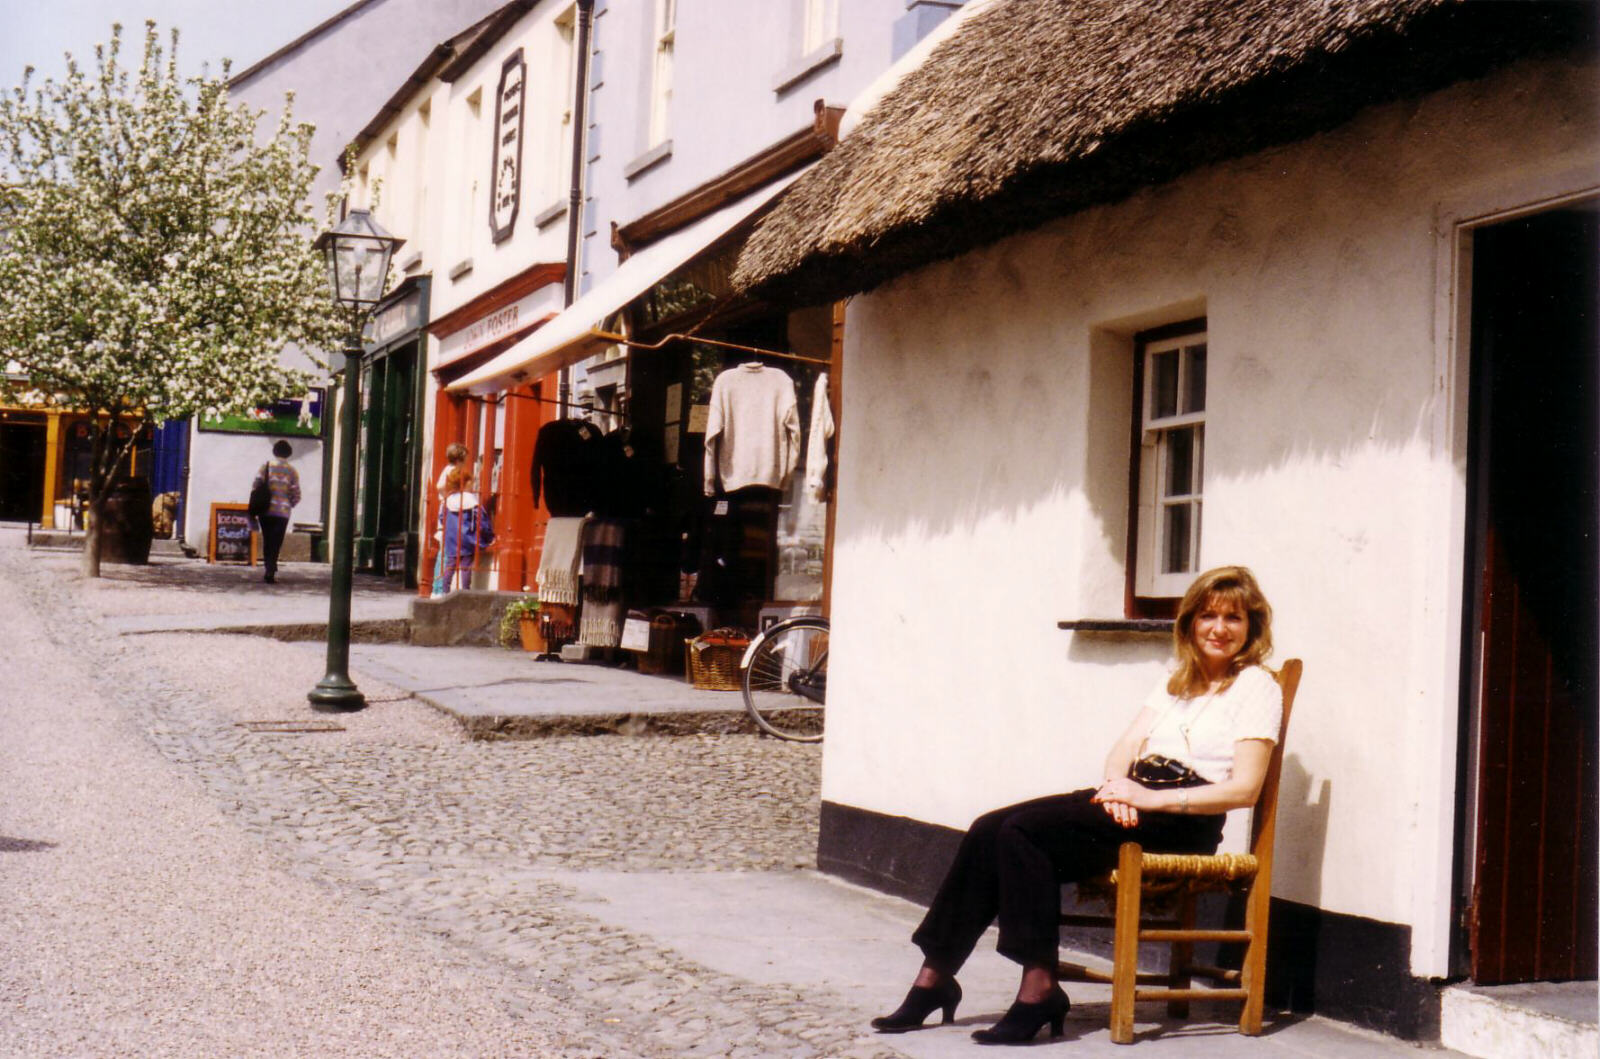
91	532
99	483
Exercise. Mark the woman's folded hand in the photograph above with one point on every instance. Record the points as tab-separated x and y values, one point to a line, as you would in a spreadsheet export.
1122	799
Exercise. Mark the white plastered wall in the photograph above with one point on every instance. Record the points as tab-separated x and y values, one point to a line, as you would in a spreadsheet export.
229	464
983	485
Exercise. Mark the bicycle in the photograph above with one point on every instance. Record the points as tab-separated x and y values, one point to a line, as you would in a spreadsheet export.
784	674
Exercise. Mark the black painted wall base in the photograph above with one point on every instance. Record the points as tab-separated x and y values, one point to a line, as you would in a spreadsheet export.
1343	967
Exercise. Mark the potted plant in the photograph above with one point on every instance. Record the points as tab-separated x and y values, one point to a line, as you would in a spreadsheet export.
521	621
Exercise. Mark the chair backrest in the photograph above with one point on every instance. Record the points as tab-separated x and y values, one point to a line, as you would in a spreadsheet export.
1263	821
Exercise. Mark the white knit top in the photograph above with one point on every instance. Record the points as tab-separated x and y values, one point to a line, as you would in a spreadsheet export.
752	429
1201	731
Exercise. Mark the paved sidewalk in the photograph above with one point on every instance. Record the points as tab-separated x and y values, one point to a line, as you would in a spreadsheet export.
494	693
633	896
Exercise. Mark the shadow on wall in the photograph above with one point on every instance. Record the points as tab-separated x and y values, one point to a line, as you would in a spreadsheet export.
1302	828
1005	376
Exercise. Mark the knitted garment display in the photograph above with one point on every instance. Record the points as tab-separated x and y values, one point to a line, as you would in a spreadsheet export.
817	443
558	563
752	429
565	464
602	560
600	624
600	620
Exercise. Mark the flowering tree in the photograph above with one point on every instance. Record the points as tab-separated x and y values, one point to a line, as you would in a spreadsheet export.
155	251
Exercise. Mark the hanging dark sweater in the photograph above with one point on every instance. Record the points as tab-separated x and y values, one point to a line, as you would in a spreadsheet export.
565	466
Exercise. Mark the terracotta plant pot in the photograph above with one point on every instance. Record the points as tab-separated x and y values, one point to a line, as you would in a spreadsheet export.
532	638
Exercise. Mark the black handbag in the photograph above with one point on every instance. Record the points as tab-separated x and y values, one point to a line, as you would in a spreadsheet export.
1157	771
261	496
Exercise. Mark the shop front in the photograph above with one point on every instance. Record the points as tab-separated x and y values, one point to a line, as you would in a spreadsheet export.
497	430
44	465
690	475
389	457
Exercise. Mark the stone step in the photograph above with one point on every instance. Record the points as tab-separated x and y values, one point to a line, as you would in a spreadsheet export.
1535	1020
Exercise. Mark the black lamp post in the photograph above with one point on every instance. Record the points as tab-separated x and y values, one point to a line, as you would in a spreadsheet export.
358	252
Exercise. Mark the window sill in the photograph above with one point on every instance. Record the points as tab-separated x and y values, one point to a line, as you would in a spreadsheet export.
550	215
809	64
649	160
460	268
411	262
1140	626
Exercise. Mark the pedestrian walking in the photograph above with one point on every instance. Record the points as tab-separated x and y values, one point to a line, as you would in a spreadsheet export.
283	483
465	528
455	455
1200	746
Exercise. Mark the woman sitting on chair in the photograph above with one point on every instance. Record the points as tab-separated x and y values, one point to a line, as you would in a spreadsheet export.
1199	747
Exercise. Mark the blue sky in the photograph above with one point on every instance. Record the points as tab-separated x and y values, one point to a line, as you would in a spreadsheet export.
37	32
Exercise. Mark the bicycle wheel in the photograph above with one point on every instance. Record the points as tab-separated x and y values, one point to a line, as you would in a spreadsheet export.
786	678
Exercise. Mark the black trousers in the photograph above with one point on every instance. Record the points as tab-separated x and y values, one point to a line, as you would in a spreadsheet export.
273	528
1012	862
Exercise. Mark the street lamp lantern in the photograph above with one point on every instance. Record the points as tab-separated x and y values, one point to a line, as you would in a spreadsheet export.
358	252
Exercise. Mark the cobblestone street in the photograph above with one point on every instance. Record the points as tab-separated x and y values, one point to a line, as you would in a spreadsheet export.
439	868
183	877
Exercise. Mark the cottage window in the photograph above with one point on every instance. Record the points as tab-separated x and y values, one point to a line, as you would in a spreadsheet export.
819	24
558	144
666	32
1169	465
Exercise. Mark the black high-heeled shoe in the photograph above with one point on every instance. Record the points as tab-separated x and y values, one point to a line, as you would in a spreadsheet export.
919	1004
1021	1021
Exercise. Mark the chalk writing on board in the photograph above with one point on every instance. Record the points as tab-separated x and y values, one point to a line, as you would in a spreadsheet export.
231	534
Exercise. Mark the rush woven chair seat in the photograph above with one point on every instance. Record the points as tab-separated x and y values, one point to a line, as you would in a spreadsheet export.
1145	884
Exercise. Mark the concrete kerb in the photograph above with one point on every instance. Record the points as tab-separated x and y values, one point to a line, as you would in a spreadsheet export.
491	692
496	694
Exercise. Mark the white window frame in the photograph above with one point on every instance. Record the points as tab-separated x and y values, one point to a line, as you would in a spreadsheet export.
1156	575
819	24
665	38
470	137
563	67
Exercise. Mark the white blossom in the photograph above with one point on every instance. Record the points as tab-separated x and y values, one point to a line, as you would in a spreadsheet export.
155	246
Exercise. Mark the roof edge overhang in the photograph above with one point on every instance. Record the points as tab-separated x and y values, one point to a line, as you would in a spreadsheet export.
1452	44
572	335
798	149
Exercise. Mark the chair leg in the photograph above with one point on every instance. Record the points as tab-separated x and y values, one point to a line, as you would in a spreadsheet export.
1182	958
1252	976
1125	943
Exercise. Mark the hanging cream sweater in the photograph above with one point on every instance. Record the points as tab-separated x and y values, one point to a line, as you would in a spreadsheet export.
752	430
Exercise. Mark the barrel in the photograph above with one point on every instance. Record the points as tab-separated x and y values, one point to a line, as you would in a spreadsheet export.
125	524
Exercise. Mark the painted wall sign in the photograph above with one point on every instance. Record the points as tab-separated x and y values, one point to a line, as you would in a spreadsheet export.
508	320
291	416
395	320
506	176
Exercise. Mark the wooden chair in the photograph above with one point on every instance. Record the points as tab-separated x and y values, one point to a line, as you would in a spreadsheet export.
1180	877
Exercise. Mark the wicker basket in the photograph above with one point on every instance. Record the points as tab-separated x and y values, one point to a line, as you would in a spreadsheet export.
714	657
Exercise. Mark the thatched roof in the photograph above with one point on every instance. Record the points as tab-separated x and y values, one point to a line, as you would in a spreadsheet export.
1038	108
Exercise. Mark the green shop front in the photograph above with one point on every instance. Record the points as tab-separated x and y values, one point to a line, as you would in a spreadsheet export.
388	475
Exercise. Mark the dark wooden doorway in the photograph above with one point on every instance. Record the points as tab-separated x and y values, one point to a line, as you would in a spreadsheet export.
1536	568
22	462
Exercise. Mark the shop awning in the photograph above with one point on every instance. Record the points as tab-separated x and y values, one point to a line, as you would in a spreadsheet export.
571	337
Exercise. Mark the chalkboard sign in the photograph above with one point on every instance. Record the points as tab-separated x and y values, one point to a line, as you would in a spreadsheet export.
233	539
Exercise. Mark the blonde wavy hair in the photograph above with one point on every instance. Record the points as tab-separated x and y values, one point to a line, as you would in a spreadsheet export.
1226	584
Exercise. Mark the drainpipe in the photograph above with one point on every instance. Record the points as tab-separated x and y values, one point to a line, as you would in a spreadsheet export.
580	99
